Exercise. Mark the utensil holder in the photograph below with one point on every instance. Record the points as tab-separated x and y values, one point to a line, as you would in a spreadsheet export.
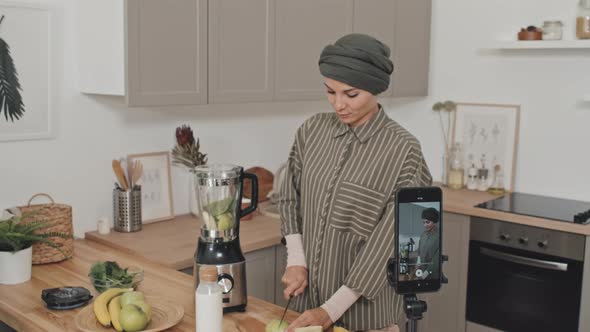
127	210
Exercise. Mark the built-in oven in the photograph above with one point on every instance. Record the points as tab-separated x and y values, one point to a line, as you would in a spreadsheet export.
524	278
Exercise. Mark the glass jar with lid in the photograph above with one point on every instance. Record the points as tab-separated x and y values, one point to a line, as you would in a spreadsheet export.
552	30
583	20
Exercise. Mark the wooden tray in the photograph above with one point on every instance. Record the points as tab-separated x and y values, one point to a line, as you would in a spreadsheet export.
164	315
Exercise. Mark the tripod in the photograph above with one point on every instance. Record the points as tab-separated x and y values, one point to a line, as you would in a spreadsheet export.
413	307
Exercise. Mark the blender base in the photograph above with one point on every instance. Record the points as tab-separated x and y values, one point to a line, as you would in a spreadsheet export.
237	308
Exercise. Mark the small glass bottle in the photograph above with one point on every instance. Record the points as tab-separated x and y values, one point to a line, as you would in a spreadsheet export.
208	305
583	20
483	175
471	176
497	187
456	171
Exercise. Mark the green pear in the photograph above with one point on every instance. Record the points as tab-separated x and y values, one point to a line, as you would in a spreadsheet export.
145	307
225	222
132	318
132	297
273	326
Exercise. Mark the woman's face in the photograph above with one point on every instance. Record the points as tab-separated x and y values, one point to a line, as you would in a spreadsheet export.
428	225
353	106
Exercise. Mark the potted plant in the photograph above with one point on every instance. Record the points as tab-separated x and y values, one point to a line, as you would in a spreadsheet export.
16	241
186	152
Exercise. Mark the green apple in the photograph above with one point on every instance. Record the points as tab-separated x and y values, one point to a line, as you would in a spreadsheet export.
225	221
132	318
273	326
132	297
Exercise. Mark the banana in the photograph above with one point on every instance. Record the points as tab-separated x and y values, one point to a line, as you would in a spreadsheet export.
100	304
114	307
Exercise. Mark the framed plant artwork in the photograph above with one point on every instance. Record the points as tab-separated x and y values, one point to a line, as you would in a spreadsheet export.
26	71
156	186
488	134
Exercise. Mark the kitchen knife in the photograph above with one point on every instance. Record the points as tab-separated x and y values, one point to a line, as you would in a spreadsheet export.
286	307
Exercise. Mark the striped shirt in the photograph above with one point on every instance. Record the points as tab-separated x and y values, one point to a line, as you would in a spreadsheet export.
339	194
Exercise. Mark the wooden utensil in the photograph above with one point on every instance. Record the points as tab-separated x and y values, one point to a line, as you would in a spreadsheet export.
120	174
137	172
164	315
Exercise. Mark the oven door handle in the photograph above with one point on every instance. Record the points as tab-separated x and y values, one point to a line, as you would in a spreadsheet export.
549	265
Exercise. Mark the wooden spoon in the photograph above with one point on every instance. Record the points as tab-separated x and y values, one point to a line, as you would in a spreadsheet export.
120	174
137	172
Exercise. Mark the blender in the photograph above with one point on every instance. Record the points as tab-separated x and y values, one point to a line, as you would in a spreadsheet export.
219	196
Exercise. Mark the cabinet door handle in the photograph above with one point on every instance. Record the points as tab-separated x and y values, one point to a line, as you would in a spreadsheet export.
549	265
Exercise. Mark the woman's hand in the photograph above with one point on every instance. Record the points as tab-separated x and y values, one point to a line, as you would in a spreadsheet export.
313	317
295	281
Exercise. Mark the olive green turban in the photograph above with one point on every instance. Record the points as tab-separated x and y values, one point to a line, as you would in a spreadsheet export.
358	60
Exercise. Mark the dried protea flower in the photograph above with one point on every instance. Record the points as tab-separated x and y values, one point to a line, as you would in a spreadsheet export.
184	135
186	152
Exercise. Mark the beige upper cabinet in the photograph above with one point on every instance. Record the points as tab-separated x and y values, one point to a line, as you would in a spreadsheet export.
405	27
153	52
303	28
166	52
241	50
411	50
189	52
374	18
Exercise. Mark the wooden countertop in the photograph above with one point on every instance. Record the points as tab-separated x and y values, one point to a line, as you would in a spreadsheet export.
463	201
22	308
173	242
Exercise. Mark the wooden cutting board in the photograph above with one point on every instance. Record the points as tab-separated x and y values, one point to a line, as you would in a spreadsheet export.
265	181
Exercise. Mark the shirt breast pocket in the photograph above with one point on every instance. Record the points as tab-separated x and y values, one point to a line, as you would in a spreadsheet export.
356	209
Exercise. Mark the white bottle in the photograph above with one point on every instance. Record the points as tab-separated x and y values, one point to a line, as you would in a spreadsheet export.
208	305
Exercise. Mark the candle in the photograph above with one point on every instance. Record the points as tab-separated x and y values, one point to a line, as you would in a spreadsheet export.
104	226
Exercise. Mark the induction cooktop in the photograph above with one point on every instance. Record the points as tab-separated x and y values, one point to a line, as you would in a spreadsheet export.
558	209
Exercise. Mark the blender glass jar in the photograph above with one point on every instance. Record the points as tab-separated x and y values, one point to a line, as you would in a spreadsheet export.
218	191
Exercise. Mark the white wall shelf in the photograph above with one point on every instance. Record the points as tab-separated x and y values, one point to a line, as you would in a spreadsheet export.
540	44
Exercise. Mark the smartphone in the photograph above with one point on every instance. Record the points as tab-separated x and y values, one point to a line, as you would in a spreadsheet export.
418	250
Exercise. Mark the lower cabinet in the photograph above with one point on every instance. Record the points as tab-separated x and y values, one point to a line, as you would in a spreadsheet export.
446	308
260	274
264	269
280	265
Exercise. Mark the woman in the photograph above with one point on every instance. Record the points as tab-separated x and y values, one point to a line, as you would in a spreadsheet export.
429	245
337	202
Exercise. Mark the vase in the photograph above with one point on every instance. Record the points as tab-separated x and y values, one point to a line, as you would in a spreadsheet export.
444	179
192	195
15	268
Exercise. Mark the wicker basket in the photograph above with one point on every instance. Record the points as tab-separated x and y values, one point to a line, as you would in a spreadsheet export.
60	215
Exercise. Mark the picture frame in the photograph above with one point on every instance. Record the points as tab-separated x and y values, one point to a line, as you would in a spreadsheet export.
156	186
490	132
28	30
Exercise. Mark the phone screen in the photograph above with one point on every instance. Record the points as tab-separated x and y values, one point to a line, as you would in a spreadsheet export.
419	234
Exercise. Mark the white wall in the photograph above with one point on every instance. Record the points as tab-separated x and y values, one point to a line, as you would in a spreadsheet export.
92	130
